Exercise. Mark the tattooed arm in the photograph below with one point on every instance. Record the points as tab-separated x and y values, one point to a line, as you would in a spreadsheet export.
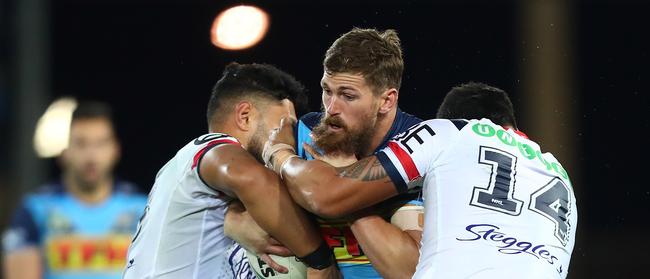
330	193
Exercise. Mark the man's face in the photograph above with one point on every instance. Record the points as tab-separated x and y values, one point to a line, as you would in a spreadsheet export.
350	114
268	119
92	152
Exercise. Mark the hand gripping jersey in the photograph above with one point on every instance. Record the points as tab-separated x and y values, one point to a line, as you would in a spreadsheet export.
77	240
181	233
495	205
349	254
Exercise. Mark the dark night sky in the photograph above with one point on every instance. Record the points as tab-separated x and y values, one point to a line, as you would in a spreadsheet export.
156	65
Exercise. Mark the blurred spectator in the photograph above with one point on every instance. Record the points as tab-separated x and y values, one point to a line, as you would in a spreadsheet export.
80	226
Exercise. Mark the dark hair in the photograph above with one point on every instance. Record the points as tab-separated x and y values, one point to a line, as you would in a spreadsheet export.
92	109
475	100
255	81
377	56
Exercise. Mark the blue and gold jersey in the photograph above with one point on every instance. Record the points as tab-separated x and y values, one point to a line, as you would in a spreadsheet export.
77	240
349	254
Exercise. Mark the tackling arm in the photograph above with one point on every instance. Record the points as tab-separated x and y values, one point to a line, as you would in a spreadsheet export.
393	248
322	190
262	193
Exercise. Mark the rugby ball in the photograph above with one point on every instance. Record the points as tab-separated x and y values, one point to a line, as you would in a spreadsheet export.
297	270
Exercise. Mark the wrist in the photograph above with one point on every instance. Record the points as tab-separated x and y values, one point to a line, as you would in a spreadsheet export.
280	159
320	258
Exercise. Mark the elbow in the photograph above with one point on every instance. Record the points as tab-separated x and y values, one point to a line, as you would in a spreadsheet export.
326	207
328	212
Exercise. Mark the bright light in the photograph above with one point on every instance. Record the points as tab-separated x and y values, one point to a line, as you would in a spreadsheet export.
53	128
239	27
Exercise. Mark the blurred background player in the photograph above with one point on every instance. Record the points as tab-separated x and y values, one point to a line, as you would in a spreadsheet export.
492	198
181	233
361	80
80	226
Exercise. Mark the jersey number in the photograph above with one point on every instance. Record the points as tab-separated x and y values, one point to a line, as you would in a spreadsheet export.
551	201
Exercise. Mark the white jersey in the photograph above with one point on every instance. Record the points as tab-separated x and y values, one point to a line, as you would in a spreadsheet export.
181	232
495	205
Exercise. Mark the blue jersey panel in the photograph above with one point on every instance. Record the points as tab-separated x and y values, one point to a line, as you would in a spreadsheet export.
80	240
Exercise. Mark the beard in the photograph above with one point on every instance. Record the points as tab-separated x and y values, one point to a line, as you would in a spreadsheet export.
88	178
256	144
347	140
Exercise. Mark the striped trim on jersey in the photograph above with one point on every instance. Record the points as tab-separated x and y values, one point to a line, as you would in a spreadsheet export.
220	139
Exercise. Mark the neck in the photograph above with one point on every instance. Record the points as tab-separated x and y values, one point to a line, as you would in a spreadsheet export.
384	123
91	194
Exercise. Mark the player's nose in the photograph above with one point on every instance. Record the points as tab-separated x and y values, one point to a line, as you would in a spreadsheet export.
332	106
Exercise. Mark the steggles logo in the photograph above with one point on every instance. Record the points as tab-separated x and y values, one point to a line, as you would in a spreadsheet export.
510	245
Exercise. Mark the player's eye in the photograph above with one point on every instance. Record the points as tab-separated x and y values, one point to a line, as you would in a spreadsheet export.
349	97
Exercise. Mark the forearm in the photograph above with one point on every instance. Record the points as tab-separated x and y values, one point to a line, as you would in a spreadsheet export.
232	219
307	190
393	252
275	212
24	264
327	192
242	228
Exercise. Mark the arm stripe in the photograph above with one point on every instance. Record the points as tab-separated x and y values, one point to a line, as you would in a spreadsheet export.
406	161
210	145
392	172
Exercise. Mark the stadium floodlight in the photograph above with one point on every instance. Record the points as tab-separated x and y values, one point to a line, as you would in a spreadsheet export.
53	128
239	27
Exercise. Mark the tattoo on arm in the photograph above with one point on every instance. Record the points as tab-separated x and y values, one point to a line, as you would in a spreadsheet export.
368	169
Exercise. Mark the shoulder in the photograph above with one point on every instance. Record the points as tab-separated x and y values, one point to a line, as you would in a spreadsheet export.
407	119
310	120
227	167
435	127
50	189
215	138
43	194
303	130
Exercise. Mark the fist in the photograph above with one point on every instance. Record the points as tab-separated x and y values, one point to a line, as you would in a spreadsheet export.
284	134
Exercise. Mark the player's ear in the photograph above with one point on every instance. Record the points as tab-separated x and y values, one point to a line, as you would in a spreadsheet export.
117	151
63	158
388	100
243	115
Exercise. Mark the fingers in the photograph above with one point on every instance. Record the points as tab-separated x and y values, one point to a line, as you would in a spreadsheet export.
288	121
312	151
278	250
273	241
268	260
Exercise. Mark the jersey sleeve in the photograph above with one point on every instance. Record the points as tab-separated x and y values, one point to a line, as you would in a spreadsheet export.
410	155
21	233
